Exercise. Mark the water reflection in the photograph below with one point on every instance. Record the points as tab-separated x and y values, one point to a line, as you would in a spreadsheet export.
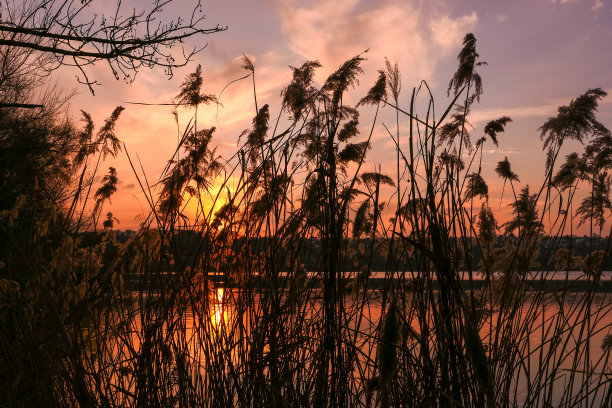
229	329
219	309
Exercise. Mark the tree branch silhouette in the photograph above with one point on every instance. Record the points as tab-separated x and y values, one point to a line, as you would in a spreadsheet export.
73	34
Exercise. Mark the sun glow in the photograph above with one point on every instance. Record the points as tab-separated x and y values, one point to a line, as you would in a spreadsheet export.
202	209
218	310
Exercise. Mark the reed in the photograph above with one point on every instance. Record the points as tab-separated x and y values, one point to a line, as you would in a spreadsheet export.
270	300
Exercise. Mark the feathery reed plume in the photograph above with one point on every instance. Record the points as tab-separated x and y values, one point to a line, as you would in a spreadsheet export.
525	212
465	74
575	121
394	79
593	207
455	128
191	90
106	135
570	171
496	126
299	94
108	188
476	186
487	225
377	93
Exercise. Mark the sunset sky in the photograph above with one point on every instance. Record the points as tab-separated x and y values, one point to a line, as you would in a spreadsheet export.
540	55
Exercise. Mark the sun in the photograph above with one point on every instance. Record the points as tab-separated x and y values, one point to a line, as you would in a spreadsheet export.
218	308
202	209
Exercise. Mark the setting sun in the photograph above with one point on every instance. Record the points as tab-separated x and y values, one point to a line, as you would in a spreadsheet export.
202	209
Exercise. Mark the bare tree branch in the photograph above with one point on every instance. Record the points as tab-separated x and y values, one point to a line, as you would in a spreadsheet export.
20	105
126	39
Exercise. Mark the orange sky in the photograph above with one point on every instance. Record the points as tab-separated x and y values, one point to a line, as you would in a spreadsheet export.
540	54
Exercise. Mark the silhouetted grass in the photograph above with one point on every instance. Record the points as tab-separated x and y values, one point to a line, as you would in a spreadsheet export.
222	311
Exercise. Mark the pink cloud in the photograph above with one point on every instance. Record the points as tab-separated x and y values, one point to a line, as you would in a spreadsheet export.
417	37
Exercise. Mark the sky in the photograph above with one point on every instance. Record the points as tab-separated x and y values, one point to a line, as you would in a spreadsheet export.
540	54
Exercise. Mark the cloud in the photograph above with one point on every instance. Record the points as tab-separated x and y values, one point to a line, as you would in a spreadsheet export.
447	32
597	5
484	115
548	109
501	18
417	37
504	152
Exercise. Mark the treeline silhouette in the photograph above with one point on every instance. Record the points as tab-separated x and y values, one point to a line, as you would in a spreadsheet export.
190	245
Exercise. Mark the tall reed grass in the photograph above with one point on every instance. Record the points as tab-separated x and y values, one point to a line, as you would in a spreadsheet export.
269	301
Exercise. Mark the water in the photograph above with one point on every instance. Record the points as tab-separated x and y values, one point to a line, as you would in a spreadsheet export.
555	335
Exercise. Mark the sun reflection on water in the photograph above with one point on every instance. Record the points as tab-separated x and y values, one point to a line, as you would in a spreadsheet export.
218	309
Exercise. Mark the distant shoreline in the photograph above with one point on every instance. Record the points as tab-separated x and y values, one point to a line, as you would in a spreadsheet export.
576	283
